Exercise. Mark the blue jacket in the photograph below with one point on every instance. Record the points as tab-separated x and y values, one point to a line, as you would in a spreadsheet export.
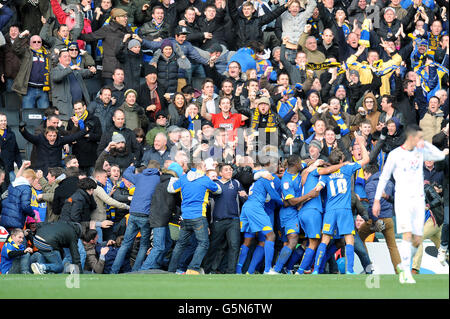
145	184
244	57
16	207
387	208
194	187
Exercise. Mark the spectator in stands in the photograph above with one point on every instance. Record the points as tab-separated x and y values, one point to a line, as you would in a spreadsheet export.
9	61
49	145
157	28
15	255
177	108
432	120
17	206
49	185
93	263
111	35
160	127
33	79
118	87
138	221
66	187
68	86
103	108
134	114
158	152
150	94
10	153
130	57
85	148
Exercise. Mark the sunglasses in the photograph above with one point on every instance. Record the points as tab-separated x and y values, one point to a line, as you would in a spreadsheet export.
73	49
36	41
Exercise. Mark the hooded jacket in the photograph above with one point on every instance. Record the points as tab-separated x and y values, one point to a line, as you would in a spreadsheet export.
78	207
16	207
145	184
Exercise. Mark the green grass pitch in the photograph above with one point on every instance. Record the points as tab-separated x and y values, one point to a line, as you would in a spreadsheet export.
164	286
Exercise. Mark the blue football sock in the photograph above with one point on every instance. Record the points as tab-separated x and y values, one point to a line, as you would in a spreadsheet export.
320	256
295	257
349	257
258	255
285	253
331	250
308	258
268	251
242	258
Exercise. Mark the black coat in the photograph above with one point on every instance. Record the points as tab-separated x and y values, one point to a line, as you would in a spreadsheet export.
65	189
9	151
85	148
164	204
49	155
130	140
143	100
131	65
78	207
61	235
168	73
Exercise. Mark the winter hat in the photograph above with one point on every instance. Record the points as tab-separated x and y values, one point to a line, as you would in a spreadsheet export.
149	69
118	138
316	143
166	43
117	12
133	43
130	91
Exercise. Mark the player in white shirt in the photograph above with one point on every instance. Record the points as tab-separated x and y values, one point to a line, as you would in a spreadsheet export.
405	163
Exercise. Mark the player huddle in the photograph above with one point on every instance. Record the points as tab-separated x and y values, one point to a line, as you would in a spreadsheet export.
316	197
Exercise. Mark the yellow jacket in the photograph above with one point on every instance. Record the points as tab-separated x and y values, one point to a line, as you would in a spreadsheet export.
365	73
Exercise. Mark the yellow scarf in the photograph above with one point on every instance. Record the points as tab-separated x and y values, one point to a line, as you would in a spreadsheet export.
43	54
270	128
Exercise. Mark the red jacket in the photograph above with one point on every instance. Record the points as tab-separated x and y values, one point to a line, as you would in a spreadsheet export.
64	18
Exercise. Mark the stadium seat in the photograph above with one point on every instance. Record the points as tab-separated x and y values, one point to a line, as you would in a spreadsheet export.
25	147
33	117
12	116
12	101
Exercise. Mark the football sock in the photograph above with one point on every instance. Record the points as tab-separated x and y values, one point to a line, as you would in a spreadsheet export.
242	257
320	256
308	257
268	251
258	255
349	257
295	257
283	257
331	250
405	250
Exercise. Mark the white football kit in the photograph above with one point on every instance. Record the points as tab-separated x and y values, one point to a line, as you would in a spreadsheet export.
409	200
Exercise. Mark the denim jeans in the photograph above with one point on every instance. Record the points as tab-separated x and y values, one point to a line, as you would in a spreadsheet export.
81	251
198	227
187	254
20	265
224	232
161	245
135	225
196	69
361	251
35	96
52	261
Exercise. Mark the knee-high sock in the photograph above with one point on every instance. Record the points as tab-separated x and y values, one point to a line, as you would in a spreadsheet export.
349	257
268	251
308	258
295	257
242	257
320	256
285	253
258	255
405	250
331	249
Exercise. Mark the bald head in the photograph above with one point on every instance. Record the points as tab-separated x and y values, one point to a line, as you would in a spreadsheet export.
35	42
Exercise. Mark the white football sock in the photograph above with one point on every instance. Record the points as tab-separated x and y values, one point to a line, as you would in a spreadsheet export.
405	250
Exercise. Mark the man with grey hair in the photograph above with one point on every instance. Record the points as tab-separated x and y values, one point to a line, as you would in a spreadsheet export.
158	152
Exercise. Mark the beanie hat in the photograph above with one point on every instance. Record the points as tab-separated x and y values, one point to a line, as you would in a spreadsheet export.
166	43
133	43
176	168
316	144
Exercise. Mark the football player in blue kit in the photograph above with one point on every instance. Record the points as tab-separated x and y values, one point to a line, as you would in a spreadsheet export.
338	217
